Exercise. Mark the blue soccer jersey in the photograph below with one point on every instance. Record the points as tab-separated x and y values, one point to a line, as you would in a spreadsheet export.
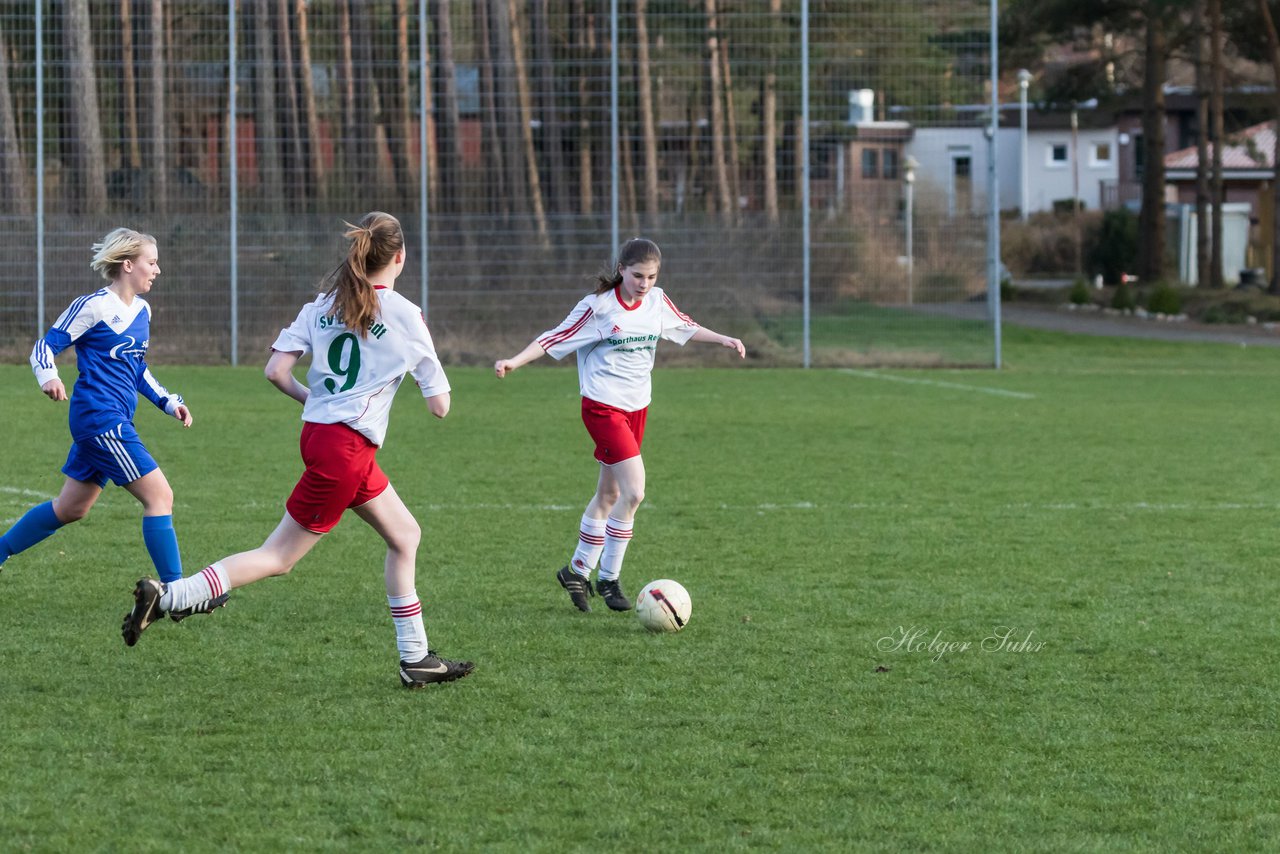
111	341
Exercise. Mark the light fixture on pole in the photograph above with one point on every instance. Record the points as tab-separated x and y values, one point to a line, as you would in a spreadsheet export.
1024	80
909	180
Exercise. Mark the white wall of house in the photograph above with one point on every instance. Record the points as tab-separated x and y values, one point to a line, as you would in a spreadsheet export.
952	173
1056	162
1053	164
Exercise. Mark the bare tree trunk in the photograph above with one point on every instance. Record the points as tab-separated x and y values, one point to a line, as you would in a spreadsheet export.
526	124
769	115
1151	222
294	162
315	164
1273	42
731	129
402	99
716	103
1217	191
365	167
15	189
88	185
394	81
506	95
429	163
648	125
159	161
267	132
450	128
549	106
628	202
798	176
349	149
1202	146
584	35
496	198
130	84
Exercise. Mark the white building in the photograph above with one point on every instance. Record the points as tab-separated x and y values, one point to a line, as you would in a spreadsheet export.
1061	164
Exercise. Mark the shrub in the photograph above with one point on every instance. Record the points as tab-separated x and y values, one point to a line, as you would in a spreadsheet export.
1124	299
1079	293
1047	243
1165	299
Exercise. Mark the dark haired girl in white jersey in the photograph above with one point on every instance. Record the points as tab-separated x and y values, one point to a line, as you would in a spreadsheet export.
615	333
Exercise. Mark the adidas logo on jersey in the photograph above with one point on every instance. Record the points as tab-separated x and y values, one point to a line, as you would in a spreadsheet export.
115	319
615	330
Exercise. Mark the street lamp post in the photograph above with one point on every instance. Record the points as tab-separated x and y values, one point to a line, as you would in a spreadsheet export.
1024	80
909	179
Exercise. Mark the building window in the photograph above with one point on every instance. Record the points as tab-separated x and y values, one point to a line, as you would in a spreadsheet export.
1139	156
962	185
1100	154
870	163
1058	155
890	164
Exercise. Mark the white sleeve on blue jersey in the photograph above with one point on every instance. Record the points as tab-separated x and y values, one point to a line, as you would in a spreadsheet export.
158	394
78	319
575	331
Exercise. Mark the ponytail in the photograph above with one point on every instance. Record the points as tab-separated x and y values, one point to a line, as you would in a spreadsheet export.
374	244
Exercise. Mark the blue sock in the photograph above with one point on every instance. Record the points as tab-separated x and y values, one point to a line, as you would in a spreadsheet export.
36	524
162	545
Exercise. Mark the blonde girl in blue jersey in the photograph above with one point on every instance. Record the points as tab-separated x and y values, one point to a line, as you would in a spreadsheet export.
111	330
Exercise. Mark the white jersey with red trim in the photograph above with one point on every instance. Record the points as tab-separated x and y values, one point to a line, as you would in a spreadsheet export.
354	379
617	343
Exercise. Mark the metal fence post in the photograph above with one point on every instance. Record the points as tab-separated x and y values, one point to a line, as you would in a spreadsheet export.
234	179
807	227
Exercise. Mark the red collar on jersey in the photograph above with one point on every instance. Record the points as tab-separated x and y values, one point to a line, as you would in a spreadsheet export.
617	292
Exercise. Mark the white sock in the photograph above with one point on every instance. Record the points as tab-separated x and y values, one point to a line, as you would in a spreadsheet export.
204	585
411	635
590	544
616	537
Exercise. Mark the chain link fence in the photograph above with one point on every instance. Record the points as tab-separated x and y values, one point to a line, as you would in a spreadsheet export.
518	141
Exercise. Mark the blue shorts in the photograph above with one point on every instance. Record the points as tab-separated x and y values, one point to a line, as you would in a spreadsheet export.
117	454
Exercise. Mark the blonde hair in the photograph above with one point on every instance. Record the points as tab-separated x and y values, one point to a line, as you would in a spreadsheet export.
637	250
374	244
118	246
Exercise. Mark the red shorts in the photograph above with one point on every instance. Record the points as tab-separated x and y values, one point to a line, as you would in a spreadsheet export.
617	433
341	472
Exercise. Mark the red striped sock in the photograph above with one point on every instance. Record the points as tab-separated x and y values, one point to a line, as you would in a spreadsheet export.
411	635
617	535
204	585
590	544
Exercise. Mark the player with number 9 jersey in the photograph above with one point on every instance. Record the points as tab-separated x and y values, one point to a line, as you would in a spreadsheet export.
363	338
353	380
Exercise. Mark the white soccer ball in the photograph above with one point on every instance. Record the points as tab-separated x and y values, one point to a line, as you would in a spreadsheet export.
663	606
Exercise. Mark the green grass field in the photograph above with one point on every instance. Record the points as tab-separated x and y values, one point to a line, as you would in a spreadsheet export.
1111	504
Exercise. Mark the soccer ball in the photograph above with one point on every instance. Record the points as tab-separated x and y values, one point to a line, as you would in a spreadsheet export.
663	606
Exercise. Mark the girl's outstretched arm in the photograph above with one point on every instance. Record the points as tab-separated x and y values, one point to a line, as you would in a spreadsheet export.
711	337
502	367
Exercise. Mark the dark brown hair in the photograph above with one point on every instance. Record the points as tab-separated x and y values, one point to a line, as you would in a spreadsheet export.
374	244
637	250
